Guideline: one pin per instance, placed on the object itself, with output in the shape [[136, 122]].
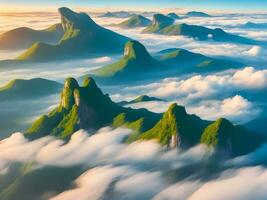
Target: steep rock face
[[176, 128], [82, 38], [86, 107], [159, 22]]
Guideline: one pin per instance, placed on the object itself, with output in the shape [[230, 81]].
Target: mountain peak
[[162, 20], [67, 95], [135, 50], [176, 110], [71, 19], [173, 15]]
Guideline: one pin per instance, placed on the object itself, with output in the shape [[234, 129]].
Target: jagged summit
[[85, 107]]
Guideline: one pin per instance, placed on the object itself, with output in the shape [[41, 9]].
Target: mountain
[[108, 14], [198, 33], [138, 64], [177, 128], [26, 177], [87, 107], [173, 16], [135, 21], [159, 21], [229, 139], [82, 38], [20, 89], [185, 61], [252, 25], [118, 14], [197, 14], [140, 99], [136, 59], [21, 38]]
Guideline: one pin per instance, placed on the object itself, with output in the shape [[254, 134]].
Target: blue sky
[[197, 4]]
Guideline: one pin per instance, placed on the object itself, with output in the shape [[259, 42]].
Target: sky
[[259, 5]]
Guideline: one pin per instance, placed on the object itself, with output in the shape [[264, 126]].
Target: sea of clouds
[[136, 171]]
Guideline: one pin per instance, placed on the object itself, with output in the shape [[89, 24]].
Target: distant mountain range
[[252, 25], [22, 38], [197, 14], [140, 99], [82, 38], [87, 107], [20, 89], [165, 25], [138, 64], [118, 14]]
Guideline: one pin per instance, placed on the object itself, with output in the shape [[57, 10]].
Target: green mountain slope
[[136, 59], [20, 89], [229, 139], [186, 61], [135, 21], [138, 64], [87, 107], [82, 38], [177, 128], [163, 25], [21, 38]]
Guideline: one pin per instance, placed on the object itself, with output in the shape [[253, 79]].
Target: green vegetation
[[229, 139], [82, 38], [186, 61], [176, 122], [21, 38], [135, 21], [197, 32], [135, 59], [87, 107]]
